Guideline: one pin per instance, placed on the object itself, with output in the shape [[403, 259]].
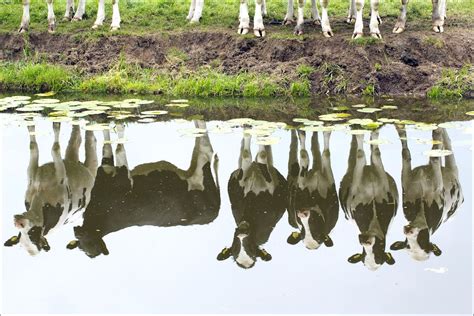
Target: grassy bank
[[125, 78], [169, 15]]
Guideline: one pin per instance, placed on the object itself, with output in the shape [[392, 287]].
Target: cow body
[[313, 206], [155, 194], [431, 195], [56, 191], [369, 197], [257, 193]]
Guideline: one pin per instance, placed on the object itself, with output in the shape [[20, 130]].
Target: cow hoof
[[398, 29], [328, 34], [288, 22], [243, 30], [350, 20], [376, 35], [76, 18], [194, 21], [66, 19], [317, 22], [114, 28], [259, 32], [96, 26], [357, 35], [23, 29], [438, 28], [299, 30]]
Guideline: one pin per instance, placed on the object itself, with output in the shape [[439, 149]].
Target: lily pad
[[438, 153]]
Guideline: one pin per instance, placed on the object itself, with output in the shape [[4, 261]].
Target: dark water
[[155, 220]]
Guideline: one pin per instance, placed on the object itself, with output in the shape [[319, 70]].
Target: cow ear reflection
[[72, 244], [12, 241], [355, 258], [328, 242], [437, 252], [398, 245], [389, 259], [294, 238], [264, 255], [224, 254]]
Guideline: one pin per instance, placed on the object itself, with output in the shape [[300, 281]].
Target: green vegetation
[[369, 90], [366, 41], [454, 83], [433, 41], [143, 16], [334, 79]]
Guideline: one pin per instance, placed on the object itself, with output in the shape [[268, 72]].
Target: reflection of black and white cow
[[156, 194], [369, 196], [313, 206], [257, 192], [56, 190], [431, 195]]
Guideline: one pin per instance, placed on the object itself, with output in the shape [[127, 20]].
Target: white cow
[[356, 10], [438, 16], [324, 19]]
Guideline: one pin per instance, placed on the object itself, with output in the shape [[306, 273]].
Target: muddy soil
[[404, 64]]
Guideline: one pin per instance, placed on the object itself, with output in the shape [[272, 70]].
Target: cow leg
[[72, 150], [351, 17], [450, 161], [107, 154], [25, 19], [360, 161], [376, 161], [435, 162], [81, 9], [264, 8], [197, 11], [359, 24], [192, 7], [91, 162], [115, 16], [258, 27], [293, 157], [120, 154], [51, 17], [314, 12], [59, 168], [326, 159], [402, 18], [244, 18], [99, 21], [406, 158], [300, 18], [32, 166], [327, 32], [374, 19], [304, 157], [442, 9], [437, 16], [69, 10], [316, 152], [290, 14]]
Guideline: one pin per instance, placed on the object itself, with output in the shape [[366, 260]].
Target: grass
[[433, 41], [129, 78], [454, 83], [157, 16]]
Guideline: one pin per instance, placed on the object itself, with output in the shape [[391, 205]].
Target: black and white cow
[[431, 195], [369, 197], [56, 190], [313, 206], [156, 194], [257, 193]]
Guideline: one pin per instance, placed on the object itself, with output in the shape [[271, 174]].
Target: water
[[169, 265]]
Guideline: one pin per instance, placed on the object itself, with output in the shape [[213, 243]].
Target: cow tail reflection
[[257, 193], [369, 196], [431, 195], [313, 206], [157, 194], [57, 191]]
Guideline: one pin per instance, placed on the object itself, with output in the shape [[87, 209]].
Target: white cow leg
[[304, 157], [115, 16], [244, 18], [300, 18], [450, 161], [359, 24], [258, 27], [198, 11], [25, 19], [51, 17], [99, 21], [91, 161], [326, 158], [360, 161], [293, 155], [316, 151], [59, 168], [264, 7], [435, 162], [406, 158], [438, 18], [245, 158], [72, 150], [290, 14], [351, 16], [69, 10], [327, 32], [34, 155], [374, 19], [376, 160], [442, 9], [402, 18], [107, 154], [192, 6], [81, 9], [315, 13]]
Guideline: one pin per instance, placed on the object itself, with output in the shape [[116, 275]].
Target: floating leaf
[[46, 101], [389, 107], [438, 153], [388, 120], [360, 121], [449, 125], [96, 127], [178, 105], [340, 108], [146, 120], [46, 94], [426, 127], [358, 131], [267, 140], [20, 98], [369, 110], [359, 106], [127, 105], [470, 113], [180, 101], [428, 141], [31, 109], [154, 112], [300, 120]]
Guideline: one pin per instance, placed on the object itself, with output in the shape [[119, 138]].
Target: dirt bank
[[409, 63]]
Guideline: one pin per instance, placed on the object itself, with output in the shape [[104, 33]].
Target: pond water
[[130, 214]]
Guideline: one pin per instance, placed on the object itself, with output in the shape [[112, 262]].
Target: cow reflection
[[257, 193], [313, 207], [431, 195], [157, 194], [56, 190], [369, 196]]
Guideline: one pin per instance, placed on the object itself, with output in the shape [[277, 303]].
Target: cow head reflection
[[56, 190], [313, 207], [369, 197], [154, 194], [257, 193], [431, 195]]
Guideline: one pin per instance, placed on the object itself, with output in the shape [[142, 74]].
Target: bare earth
[[409, 63]]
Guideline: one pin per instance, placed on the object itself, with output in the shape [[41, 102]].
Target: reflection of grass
[[156, 16], [453, 83]]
